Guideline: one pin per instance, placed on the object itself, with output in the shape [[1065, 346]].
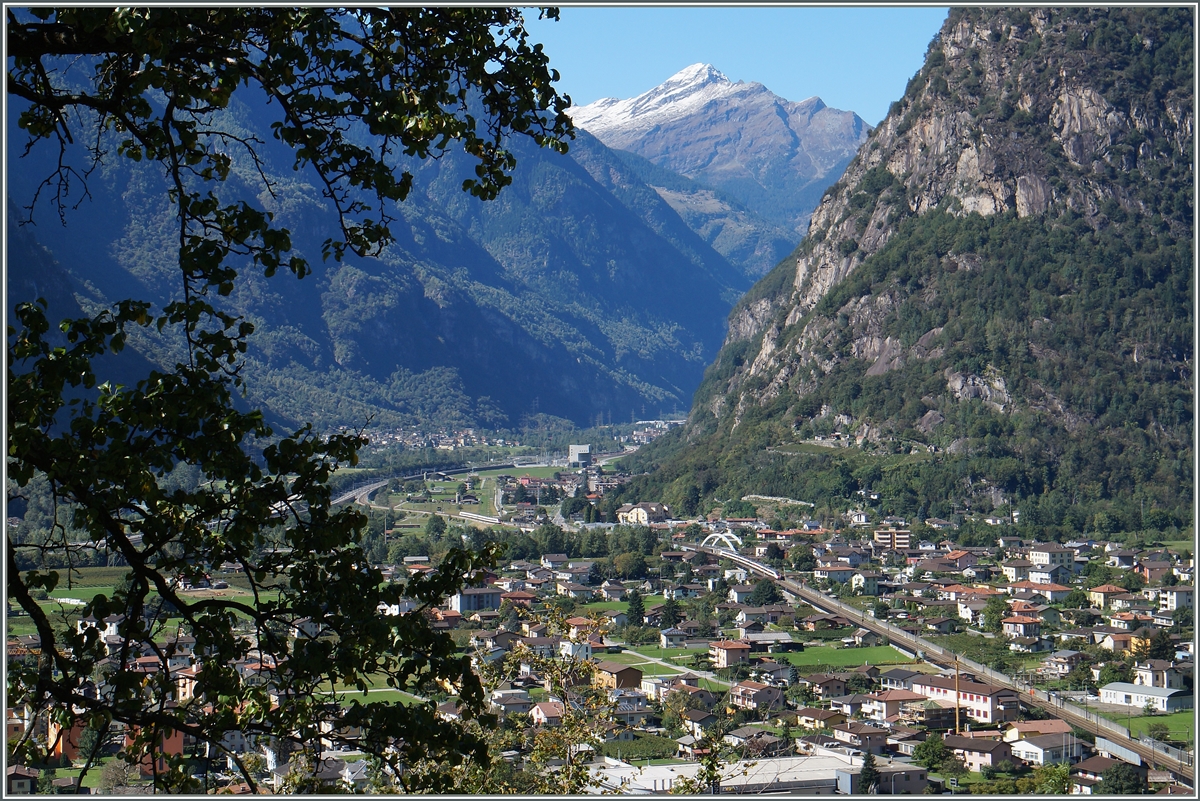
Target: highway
[[937, 655]]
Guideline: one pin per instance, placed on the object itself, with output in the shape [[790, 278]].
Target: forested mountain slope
[[993, 306], [578, 293]]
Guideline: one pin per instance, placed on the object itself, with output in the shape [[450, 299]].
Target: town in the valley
[[765, 646]]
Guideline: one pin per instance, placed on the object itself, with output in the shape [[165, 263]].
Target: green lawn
[[847, 657], [1181, 724], [536, 472], [668, 653], [623, 658], [655, 669], [584, 610]]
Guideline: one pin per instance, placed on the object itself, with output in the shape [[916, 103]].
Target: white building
[[1163, 699], [1051, 554], [1172, 598]]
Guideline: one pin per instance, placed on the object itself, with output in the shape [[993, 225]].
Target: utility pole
[[956, 727]]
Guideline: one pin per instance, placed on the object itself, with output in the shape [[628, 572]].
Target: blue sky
[[854, 58]]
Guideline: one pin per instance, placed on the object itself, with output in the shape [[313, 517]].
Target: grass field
[[1181, 724], [668, 653], [395, 696], [847, 657], [600, 606], [536, 472]]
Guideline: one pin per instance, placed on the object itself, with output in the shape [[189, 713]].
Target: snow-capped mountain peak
[[686, 90]]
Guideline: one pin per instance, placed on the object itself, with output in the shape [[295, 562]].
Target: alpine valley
[[582, 292], [992, 310]]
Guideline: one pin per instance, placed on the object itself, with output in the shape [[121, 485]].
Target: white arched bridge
[[728, 538]]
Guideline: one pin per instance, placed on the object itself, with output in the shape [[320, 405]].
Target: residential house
[[547, 713], [1022, 626], [696, 721], [898, 679], [641, 514], [706, 698], [755, 695], [740, 593], [21, 780], [865, 638], [941, 625], [628, 706], [960, 559], [898, 779], [1048, 749], [1099, 596], [1116, 642], [727, 653], [1051, 592], [1122, 558], [976, 752], [1016, 569], [818, 622], [473, 599], [571, 589], [1051, 554], [1087, 774], [840, 574], [613, 675], [865, 738], [1050, 574], [812, 718], [850, 705], [930, 714], [983, 703], [510, 702], [825, 685], [1030, 728], [1152, 571], [615, 617], [979, 572], [553, 561], [576, 649], [887, 704], [866, 583], [970, 611], [497, 638], [1172, 598], [518, 597], [1030, 645], [612, 591], [672, 637], [1158, 673], [1058, 664], [544, 647]]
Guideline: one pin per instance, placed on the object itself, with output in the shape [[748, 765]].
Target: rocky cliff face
[[1000, 282], [773, 156], [1007, 116]]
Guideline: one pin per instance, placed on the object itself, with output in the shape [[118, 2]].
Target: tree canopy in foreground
[[352, 91]]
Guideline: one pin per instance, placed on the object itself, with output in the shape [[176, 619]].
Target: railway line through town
[[1180, 767]]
